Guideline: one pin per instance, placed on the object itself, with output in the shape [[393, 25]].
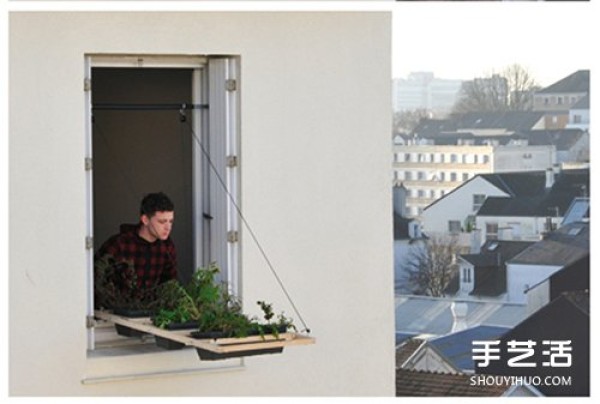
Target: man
[[147, 245]]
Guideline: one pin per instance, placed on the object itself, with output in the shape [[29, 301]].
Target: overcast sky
[[462, 41]]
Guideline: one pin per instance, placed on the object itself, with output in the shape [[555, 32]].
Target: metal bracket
[[87, 84], [90, 321], [232, 161], [89, 243], [233, 236], [230, 85], [88, 164]]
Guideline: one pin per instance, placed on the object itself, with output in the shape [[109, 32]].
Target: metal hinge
[[233, 236], [89, 243], [232, 161], [88, 164], [230, 85], [90, 322], [87, 84]]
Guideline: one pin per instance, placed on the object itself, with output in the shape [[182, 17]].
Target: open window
[[163, 124]]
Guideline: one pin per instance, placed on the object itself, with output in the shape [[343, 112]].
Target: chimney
[[476, 241], [459, 314], [399, 199], [549, 178]]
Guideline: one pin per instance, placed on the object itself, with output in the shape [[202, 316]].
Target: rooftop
[[578, 82], [560, 247], [432, 315], [457, 348], [415, 383]]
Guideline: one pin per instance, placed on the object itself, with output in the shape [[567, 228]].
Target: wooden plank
[[220, 345]]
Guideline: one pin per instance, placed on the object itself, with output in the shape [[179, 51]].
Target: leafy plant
[[116, 286], [212, 307]]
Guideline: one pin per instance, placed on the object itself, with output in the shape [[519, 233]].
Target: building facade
[[287, 102]]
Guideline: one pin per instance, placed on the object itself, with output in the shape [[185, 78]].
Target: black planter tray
[[169, 344], [126, 331], [206, 355], [222, 348]]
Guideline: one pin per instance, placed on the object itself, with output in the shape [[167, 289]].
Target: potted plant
[[116, 289], [208, 306]]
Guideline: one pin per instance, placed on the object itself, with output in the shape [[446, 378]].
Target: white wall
[[324, 217], [456, 205], [511, 158], [520, 277], [530, 228]]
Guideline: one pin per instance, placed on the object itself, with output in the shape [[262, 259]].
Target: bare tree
[[510, 90], [430, 268], [406, 121]]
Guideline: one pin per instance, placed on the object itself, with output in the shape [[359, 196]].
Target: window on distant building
[[421, 193], [576, 118], [476, 159], [408, 176], [546, 101], [559, 100], [454, 226], [491, 231], [421, 176], [486, 159], [453, 158], [466, 275], [465, 177], [442, 158], [442, 176], [452, 176], [406, 156]]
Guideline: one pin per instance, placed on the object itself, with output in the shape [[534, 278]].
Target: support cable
[[242, 217]]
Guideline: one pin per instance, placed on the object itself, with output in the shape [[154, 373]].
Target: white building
[[277, 89], [429, 172], [540, 261], [421, 90]]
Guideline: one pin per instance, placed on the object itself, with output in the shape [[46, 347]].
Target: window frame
[[223, 119]]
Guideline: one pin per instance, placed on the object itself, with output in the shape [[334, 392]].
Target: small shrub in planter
[[213, 311], [116, 289]]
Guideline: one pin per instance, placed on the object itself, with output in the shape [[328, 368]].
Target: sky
[[466, 40]]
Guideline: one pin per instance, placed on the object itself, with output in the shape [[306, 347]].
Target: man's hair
[[156, 202]]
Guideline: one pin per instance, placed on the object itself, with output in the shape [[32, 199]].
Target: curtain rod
[[146, 107]]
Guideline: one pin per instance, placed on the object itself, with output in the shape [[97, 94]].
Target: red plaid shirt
[[154, 263]]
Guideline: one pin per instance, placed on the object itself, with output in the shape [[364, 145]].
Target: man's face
[[160, 224]]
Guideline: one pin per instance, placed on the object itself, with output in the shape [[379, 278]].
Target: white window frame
[[223, 118]]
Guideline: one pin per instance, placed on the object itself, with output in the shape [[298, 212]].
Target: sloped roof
[[579, 299], [519, 183], [578, 82], [490, 268], [510, 120], [496, 252], [416, 383], [561, 247], [407, 349], [431, 315], [431, 127], [583, 103], [457, 348], [562, 139], [530, 196]]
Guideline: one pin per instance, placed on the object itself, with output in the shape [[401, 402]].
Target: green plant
[[116, 286], [213, 307]]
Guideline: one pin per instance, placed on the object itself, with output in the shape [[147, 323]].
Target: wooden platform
[[217, 346]]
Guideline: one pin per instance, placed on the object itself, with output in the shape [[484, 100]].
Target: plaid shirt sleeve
[[154, 263]]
